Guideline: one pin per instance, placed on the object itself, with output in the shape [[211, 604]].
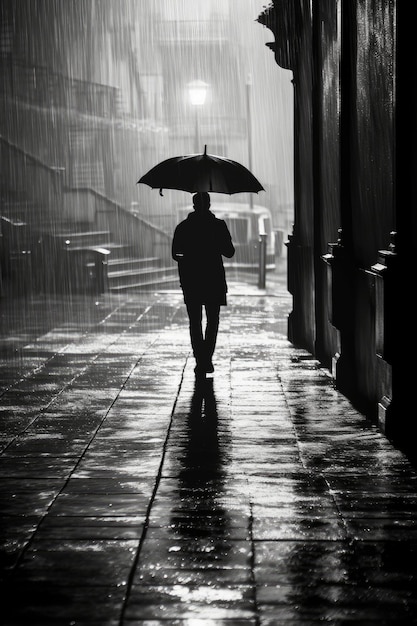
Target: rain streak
[[96, 93]]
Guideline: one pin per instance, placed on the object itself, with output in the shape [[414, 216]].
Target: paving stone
[[70, 504], [92, 527], [78, 562], [51, 603]]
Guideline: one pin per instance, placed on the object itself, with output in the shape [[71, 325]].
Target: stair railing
[[144, 238], [45, 184], [41, 86]]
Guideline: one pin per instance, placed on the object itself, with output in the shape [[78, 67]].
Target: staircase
[[49, 255], [124, 271], [41, 251], [129, 274]]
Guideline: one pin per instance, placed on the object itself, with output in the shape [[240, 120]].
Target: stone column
[[386, 286], [341, 305]]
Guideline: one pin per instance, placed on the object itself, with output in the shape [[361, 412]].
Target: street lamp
[[197, 91]]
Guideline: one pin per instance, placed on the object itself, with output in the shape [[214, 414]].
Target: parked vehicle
[[246, 224]]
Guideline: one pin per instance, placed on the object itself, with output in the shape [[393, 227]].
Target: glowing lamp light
[[197, 90]]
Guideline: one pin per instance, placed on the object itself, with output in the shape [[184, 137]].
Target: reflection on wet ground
[[133, 494]]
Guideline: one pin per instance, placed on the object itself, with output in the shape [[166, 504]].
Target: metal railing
[[40, 86], [192, 30], [45, 185], [133, 230], [209, 126]]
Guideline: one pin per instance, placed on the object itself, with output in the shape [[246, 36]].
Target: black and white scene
[[207, 216]]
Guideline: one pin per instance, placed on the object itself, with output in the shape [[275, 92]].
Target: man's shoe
[[210, 367]]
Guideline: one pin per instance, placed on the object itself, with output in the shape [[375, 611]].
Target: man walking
[[199, 243]]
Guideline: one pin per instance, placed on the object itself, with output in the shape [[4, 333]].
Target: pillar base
[[342, 371], [397, 426], [385, 415], [335, 359]]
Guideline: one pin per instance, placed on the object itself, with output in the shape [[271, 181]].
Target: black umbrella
[[201, 172]]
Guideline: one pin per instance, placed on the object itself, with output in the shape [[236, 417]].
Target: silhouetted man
[[198, 245]]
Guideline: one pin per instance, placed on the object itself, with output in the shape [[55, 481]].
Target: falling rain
[[146, 477], [95, 93]]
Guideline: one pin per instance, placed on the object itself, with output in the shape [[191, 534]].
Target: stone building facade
[[350, 256]]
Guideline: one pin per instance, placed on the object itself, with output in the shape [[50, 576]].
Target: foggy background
[[96, 92], [145, 52]]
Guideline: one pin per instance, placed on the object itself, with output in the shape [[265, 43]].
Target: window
[[238, 228]]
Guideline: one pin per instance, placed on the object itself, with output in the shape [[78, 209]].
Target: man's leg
[[195, 316], [212, 327]]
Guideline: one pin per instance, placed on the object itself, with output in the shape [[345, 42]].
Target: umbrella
[[201, 172]]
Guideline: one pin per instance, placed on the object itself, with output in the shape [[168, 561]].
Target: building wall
[[352, 194], [372, 182]]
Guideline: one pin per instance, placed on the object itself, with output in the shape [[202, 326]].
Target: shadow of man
[[201, 512]]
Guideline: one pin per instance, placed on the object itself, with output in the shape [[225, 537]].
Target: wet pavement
[[132, 495]]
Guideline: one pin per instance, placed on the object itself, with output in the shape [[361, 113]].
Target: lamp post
[[197, 91], [249, 126], [262, 234]]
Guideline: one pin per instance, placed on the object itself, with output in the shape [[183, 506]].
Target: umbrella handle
[[160, 193]]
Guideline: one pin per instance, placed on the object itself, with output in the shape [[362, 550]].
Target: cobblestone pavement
[[132, 495]]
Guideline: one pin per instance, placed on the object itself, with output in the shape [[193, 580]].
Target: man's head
[[201, 201]]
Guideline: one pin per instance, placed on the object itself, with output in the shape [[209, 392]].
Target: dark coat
[[198, 245]]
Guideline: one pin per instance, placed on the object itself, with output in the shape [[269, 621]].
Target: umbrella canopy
[[201, 172]]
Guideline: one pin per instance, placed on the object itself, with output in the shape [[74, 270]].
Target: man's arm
[[177, 245], [227, 248]]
